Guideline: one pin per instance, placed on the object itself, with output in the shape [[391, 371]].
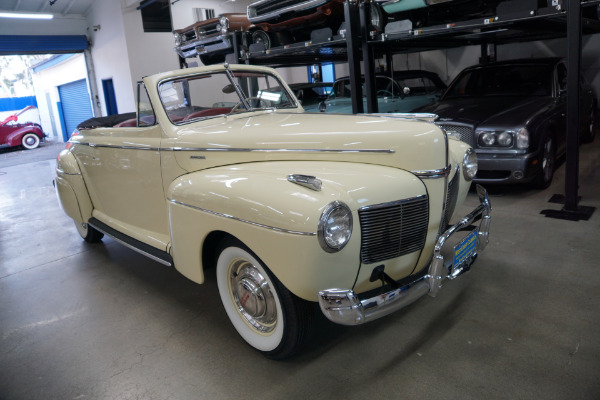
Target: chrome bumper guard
[[342, 306]]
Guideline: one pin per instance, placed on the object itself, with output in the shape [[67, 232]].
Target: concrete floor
[[80, 321]]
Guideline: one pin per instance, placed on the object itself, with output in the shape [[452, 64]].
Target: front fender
[[278, 219]]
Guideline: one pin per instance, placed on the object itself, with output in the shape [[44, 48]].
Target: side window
[[145, 112]]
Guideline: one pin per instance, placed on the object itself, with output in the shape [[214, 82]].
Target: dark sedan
[[514, 114]]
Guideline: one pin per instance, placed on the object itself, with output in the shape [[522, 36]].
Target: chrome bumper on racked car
[[343, 306]]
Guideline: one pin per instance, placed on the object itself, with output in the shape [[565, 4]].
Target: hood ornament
[[306, 181]]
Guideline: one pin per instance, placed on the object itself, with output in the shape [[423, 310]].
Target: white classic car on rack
[[293, 209]]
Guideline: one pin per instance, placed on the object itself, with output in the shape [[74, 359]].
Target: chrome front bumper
[[342, 306]]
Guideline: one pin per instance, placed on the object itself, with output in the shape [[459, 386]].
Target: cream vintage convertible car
[[293, 209]]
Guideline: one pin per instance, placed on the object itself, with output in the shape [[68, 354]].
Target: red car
[[27, 134]]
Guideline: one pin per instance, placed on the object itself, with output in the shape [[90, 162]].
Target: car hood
[[490, 111], [277, 136]]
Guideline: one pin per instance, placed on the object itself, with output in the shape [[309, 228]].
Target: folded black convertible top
[[106, 122]]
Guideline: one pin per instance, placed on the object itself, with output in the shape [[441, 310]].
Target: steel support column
[[353, 42], [368, 59]]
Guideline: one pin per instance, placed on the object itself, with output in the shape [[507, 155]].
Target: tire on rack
[[212, 59], [546, 163], [260, 36], [30, 141], [88, 233], [266, 315]]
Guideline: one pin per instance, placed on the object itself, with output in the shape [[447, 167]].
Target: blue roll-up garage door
[[75, 104]]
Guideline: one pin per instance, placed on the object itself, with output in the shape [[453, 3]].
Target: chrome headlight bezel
[[335, 227], [224, 22], [497, 138], [470, 166], [178, 38]]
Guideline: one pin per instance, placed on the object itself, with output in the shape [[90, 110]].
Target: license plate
[[465, 249]]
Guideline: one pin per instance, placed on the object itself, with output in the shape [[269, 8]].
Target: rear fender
[[71, 190], [15, 137]]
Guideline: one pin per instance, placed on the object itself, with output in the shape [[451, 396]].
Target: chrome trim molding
[[242, 220], [66, 173], [258, 150], [114, 146], [238, 150], [342, 306], [142, 252], [434, 173]]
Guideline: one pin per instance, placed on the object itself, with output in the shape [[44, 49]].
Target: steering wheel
[[237, 106], [383, 92]]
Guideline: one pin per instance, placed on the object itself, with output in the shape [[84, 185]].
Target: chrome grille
[[208, 30], [451, 200], [393, 229], [274, 6], [463, 132]]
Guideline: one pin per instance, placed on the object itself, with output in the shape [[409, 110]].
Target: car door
[[122, 171]]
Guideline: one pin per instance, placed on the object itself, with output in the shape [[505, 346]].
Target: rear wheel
[[88, 233], [546, 163], [266, 315], [30, 141]]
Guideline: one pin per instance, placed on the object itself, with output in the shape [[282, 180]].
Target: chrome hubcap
[[253, 296]]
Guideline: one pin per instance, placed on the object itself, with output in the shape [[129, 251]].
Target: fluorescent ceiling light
[[25, 15]]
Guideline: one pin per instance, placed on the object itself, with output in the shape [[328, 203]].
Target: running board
[[151, 252]]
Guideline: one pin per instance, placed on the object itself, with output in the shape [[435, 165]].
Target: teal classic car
[[402, 92]]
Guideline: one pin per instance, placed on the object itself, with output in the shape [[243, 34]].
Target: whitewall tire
[[30, 141], [265, 314], [88, 233]]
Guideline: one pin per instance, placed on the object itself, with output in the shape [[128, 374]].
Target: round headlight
[[178, 39], [470, 165], [335, 227], [218, 27], [224, 21], [523, 138], [488, 138], [505, 139]]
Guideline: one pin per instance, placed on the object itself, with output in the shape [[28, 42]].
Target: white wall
[[59, 25], [47, 82], [110, 53]]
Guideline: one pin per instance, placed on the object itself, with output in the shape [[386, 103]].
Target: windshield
[[207, 95], [505, 80]]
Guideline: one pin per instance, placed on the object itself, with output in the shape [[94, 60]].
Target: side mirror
[[228, 89], [322, 106]]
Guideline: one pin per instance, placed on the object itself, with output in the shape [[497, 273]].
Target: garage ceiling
[[56, 7]]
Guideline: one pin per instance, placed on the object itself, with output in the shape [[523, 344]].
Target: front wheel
[[30, 141], [88, 233], [546, 161], [265, 314]]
